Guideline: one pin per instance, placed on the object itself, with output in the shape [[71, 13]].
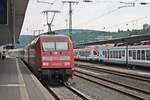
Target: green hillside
[[80, 36], [83, 36], [134, 32]]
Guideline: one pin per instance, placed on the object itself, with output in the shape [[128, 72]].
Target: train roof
[[126, 40], [44, 36], [54, 36]]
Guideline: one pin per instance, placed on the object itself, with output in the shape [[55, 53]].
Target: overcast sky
[[104, 15]]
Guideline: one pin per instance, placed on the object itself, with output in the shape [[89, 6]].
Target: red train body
[[51, 57]]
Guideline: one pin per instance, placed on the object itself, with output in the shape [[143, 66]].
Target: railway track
[[125, 87], [115, 72], [67, 92]]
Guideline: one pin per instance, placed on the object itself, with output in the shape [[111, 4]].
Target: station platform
[[18, 83]]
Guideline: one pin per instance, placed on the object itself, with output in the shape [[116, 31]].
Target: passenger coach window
[[123, 53], [143, 54], [87, 53], [147, 54], [114, 54], [138, 55], [61, 46], [95, 53], [119, 54], [110, 54], [75, 53], [103, 53], [134, 54], [48, 46], [130, 53]]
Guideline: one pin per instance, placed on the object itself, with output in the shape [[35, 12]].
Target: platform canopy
[[12, 13]]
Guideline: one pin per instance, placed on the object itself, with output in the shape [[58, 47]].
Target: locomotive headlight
[[45, 64], [46, 58], [66, 63], [64, 57]]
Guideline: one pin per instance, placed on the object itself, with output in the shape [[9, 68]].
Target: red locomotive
[[50, 57]]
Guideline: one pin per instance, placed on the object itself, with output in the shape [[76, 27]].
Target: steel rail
[[124, 74], [117, 87]]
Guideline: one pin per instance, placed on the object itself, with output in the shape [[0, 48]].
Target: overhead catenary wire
[[126, 4], [53, 6], [46, 2], [95, 2], [127, 22], [101, 16], [67, 13], [62, 19]]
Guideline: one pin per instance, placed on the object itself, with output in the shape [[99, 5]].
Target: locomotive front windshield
[[55, 46], [61, 46], [48, 46]]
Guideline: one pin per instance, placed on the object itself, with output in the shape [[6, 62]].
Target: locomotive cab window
[[61, 46], [48, 46]]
